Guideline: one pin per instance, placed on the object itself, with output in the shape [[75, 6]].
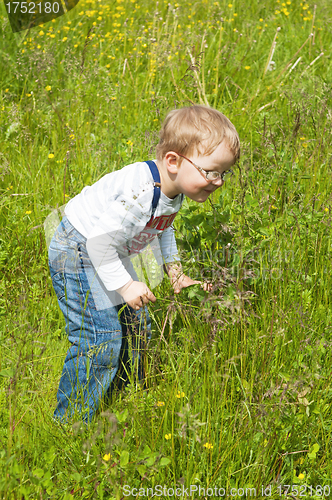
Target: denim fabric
[[99, 332]]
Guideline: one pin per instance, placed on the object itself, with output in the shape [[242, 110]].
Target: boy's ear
[[171, 160]]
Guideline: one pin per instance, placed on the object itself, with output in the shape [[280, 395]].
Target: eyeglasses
[[211, 176]]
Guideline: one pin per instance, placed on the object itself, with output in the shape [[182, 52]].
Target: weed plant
[[238, 381]]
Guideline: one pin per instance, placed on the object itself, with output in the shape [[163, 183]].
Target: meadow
[[238, 380]]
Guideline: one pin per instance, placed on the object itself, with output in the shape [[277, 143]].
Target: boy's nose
[[217, 182]]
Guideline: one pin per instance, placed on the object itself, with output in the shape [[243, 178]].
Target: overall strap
[[157, 186]]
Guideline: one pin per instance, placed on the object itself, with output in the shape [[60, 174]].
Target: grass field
[[239, 381]]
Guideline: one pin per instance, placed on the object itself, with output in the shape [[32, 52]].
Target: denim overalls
[[99, 336]]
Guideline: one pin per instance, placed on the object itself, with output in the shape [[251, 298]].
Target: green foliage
[[238, 380]]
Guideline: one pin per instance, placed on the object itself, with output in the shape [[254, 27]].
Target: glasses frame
[[205, 173]]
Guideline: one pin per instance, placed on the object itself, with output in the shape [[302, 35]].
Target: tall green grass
[[238, 380]]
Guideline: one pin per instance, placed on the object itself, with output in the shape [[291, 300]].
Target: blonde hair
[[196, 129]]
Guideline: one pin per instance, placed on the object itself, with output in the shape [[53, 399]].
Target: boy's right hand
[[136, 294]]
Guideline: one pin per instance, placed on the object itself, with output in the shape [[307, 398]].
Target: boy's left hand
[[185, 281], [180, 280]]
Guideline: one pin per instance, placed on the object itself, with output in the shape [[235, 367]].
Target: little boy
[[98, 291]]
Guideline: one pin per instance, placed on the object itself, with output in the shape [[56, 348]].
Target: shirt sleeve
[[168, 246], [109, 240]]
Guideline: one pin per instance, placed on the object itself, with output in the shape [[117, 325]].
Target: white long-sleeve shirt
[[114, 214]]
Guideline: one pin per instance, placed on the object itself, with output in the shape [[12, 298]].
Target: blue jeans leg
[[96, 333]]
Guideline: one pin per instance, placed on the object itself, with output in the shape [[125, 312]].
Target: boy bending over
[[98, 291]]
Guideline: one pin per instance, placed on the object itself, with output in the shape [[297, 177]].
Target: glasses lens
[[212, 176]]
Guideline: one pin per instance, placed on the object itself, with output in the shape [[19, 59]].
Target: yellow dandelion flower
[[208, 446], [274, 208], [261, 20], [51, 155], [168, 436], [99, 18], [230, 5], [304, 144], [160, 403], [180, 395], [48, 88], [81, 13], [247, 67], [64, 39], [301, 476], [107, 457], [326, 209], [28, 95], [41, 33], [28, 212]]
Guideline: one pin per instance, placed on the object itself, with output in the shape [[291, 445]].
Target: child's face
[[193, 183]]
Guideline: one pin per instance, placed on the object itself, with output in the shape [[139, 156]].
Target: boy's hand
[[180, 280], [136, 294]]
